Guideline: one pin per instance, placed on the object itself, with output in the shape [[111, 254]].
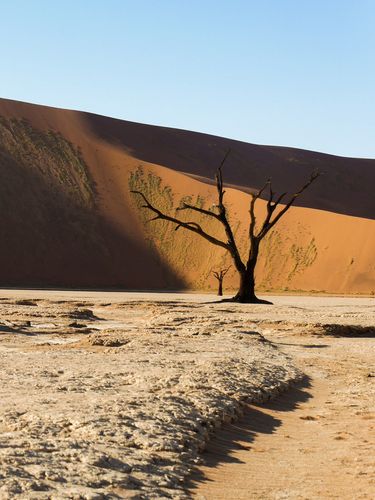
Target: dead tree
[[219, 275], [257, 232]]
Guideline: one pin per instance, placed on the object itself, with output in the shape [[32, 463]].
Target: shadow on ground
[[241, 434], [336, 330], [306, 346]]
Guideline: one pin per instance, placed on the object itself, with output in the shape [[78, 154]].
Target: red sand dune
[[68, 218]]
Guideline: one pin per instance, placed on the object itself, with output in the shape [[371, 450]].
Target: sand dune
[[65, 197]]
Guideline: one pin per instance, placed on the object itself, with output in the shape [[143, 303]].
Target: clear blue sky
[[285, 72]]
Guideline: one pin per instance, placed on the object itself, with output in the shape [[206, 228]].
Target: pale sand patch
[[315, 442]]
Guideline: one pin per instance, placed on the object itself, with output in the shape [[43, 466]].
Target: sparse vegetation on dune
[[189, 256], [49, 155]]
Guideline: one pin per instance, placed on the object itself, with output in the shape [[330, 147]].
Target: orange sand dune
[[68, 218]]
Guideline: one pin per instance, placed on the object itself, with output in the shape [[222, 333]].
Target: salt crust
[[119, 402]]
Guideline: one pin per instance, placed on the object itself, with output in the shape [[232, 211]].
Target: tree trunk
[[246, 292], [220, 291]]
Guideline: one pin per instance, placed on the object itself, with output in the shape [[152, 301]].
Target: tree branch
[[224, 271], [194, 227], [222, 217], [186, 206], [219, 275], [219, 178], [254, 197], [268, 223], [190, 224]]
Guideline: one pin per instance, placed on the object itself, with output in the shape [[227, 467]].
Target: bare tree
[[246, 270], [219, 275]]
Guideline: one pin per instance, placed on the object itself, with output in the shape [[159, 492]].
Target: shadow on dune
[[241, 434], [346, 186], [53, 238]]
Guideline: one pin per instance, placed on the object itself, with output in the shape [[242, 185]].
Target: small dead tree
[[219, 275], [246, 269]]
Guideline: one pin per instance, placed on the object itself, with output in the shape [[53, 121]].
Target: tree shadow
[[232, 301], [306, 346], [241, 434]]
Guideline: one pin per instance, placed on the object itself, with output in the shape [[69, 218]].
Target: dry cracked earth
[[115, 395]]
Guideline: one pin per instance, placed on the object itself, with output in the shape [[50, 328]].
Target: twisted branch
[[219, 275], [191, 226], [272, 205]]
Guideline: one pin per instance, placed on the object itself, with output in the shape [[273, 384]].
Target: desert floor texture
[[116, 395]]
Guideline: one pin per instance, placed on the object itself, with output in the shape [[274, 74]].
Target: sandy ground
[[313, 442], [114, 395]]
